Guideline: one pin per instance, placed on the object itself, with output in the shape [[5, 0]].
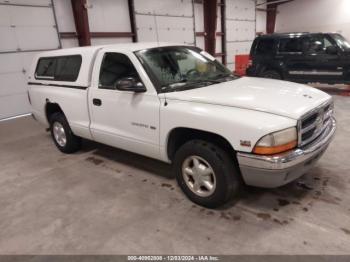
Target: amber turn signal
[[262, 150]]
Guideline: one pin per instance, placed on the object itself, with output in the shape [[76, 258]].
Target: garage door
[[240, 28], [165, 21], [26, 28]]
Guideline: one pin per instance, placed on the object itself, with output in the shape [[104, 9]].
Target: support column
[[81, 22], [131, 6], [223, 31], [271, 18], [210, 15]]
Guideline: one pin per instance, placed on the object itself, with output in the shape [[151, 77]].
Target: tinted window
[[46, 68], [114, 67], [290, 45], [316, 44], [265, 47], [67, 68], [63, 68], [342, 42]]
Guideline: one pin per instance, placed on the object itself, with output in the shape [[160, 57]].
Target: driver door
[[324, 66], [123, 119]]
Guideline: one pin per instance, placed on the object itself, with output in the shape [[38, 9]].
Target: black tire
[[272, 74], [228, 180], [73, 143]]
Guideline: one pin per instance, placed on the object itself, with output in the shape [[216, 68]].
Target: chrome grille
[[314, 123]]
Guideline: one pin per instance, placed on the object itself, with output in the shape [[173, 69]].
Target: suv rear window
[[61, 68], [265, 47]]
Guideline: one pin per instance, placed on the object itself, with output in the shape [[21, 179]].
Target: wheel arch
[[51, 108], [180, 135], [271, 67]]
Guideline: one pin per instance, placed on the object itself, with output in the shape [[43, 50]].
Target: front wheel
[[62, 134], [206, 173]]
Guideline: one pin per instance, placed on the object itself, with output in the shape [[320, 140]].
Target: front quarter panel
[[233, 124]]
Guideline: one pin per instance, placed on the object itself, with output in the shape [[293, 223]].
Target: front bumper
[[277, 170]]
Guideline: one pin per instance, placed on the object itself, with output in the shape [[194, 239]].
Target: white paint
[[167, 20], [242, 109], [315, 16]]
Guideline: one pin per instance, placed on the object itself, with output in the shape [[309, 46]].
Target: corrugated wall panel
[[25, 27], [240, 28], [165, 21]]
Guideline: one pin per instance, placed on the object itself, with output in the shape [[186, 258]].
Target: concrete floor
[[106, 201]]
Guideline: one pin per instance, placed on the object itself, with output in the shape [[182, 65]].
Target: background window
[[114, 67]]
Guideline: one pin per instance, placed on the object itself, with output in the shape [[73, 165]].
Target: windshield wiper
[[221, 76], [186, 83]]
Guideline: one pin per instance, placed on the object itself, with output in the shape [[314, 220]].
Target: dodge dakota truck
[[178, 104]]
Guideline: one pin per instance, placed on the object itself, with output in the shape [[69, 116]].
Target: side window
[[114, 67], [265, 47], [61, 68], [45, 68], [290, 45], [316, 44], [67, 68]]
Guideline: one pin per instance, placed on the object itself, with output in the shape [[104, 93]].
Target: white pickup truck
[[178, 104]]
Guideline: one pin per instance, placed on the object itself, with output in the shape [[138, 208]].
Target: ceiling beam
[[81, 22]]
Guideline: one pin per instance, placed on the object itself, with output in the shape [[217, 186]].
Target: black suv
[[301, 57]]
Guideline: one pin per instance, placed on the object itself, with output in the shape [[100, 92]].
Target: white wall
[[240, 28], [165, 21], [261, 18], [65, 21], [314, 16], [109, 16], [25, 30]]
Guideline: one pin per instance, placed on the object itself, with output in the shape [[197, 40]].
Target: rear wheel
[[206, 173], [62, 134], [272, 74]]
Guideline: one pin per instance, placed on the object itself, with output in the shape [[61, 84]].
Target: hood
[[272, 96]]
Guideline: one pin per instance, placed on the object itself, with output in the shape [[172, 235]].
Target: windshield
[[342, 42], [181, 68]]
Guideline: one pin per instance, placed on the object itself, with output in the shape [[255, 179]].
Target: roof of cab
[[128, 47]]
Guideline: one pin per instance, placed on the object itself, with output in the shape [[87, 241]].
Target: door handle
[[97, 102]]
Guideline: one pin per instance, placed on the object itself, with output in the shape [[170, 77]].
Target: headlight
[[277, 142]]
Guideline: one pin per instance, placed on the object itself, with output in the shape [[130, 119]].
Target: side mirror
[[331, 50], [130, 84]]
